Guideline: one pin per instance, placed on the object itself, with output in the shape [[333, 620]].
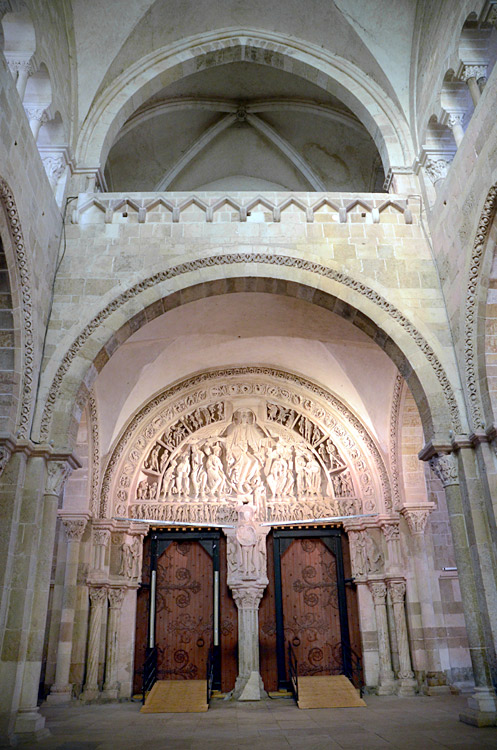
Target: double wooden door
[[188, 610], [307, 604]]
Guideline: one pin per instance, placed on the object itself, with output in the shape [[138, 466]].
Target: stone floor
[[419, 723]]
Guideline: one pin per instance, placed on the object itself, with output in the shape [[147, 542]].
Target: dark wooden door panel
[[267, 626], [228, 630], [311, 615], [184, 613]]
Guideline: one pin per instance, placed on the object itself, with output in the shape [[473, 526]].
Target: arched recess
[[369, 102], [327, 462], [82, 355], [19, 369]]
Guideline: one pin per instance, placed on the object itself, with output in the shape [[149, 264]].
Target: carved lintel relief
[[230, 440]]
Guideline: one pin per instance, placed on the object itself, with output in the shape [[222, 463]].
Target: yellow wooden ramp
[[328, 692], [176, 696]]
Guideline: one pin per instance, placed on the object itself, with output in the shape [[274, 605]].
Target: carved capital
[[397, 590], [379, 591], [74, 528], [446, 469], [5, 454], [391, 531], [36, 112], [248, 597], [456, 119], [437, 169], [474, 71], [116, 598], [55, 165], [98, 596], [416, 519], [17, 65], [101, 537], [57, 475]]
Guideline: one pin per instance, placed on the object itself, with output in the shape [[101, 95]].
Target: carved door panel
[[184, 611], [142, 616], [311, 614]]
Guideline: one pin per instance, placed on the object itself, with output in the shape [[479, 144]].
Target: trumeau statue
[[271, 457]]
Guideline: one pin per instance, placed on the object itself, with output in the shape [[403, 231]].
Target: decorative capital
[[101, 537], [474, 71], [116, 598], [57, 475], [36, 112], [391, 531], [416, 518], [456, 119], [437, 169], [397, 590], [55, 165], [248, 597], [74, 528], [446, 469], [98, 595], [5, 454], [378, 590]]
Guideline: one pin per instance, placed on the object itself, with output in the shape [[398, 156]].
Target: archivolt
[[23, 280], [255, 258]]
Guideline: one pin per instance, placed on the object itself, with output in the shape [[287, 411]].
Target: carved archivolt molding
[[95, 458], [471, 317], [24, 280], [251, 258], [394, 439], [296, 452]]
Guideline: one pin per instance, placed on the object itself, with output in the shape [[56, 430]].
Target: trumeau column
[[482, 704], [111, 685], [61, 691], [417, 518], [247, 579], [29, 724], [397, 592], [386, 684], [98, 599]]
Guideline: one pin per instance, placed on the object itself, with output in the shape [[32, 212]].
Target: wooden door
[[311, 611], [184, 611]]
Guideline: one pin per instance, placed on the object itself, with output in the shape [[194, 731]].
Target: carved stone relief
[[194, 458]]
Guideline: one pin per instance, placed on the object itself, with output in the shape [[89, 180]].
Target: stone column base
[[29, 726], [90, 695], [249, 687], [482, 709], [387, 688], [110, 694], [59, 694], [407, 686]]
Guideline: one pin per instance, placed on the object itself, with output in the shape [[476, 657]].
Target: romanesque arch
[[116, 103], [69, 378]]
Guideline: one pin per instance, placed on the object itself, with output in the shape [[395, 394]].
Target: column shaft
[[98, 598]]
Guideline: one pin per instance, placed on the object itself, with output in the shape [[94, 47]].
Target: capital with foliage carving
[[437, 169], [101, 537], [474, 71], [98, 595], [116, 598], [397, 590], [391, 531], [446, 469], [74, 528], [416, 519], [36, 112], [379, 591], [248, 597]]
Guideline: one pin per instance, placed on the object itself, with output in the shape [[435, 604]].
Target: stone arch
[[69, 377], [22, 372], [190, 409], [115, 104], [479, 315]]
